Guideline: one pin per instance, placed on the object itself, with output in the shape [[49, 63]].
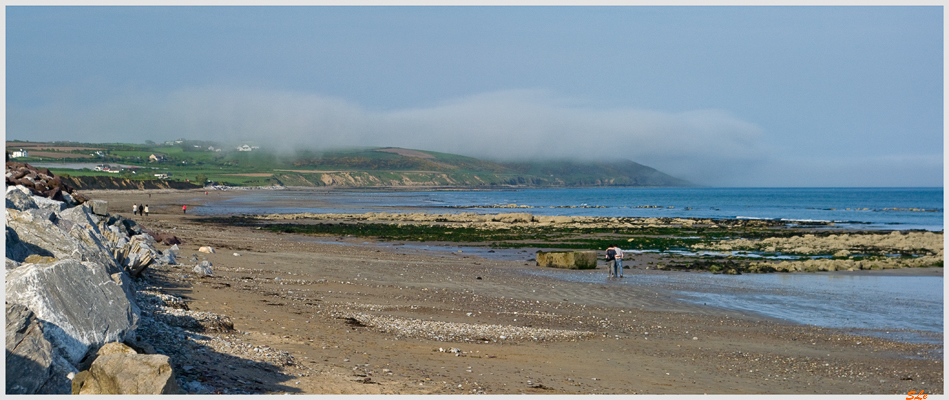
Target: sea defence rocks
[[567, 259], [68, 286], [42, 183], [51, 234]]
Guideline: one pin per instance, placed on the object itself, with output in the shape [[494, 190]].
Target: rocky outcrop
[[842, 245], [567, 259]]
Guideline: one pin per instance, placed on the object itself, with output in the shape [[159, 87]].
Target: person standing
[[184, 209], [611, 259], [146, 210], [134, 209], [619, 261]]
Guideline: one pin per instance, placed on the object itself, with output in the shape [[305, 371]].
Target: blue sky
[[721, 96]]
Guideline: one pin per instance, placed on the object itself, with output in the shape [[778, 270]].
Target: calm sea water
[[863, 208], [905, 308]]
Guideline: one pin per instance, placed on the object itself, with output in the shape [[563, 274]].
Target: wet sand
[[311, 299]]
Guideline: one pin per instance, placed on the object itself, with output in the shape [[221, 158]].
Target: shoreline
[[351, 318]]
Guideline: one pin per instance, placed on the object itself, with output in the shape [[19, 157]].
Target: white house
[[244, 148], [20, 153]]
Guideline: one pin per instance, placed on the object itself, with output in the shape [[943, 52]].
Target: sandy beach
[[344, 315]]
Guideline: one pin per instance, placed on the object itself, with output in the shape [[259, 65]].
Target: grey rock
[[125, 282], [168, 257], [29, 354], [60, 380], [69, 200], [32, 363], [36, 228], [49, 204], [99, 207], [82, 216], [19, 200], [204, 268], [196, 388], [16, 249], [79, 303], [138, 254]]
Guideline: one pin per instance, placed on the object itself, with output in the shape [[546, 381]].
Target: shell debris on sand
[[460, 332]]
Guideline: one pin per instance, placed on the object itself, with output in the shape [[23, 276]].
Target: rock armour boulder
[[41, 182], [32, 364], [81, 306], [125, 373]]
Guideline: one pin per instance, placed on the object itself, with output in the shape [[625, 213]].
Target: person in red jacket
[[184, 209]]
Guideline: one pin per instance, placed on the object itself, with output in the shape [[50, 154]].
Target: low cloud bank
[[708, 147]]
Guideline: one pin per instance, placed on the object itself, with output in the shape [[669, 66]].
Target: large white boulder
[[79, 303]]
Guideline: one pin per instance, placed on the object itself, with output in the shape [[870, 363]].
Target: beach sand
[[362, 318]]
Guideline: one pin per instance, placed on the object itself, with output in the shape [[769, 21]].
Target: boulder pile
[[41, 182], [69, 290]]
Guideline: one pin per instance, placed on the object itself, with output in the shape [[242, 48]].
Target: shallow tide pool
[[905, 308]]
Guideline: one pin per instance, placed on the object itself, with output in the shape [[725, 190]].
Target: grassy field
[[194, 161]]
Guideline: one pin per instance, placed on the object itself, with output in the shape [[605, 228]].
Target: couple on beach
[[139, 210], [614, 261]]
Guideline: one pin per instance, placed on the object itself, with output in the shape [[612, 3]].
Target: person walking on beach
[[146, 210], [619, 261], [134, 209], [184, 209], [611, 259]]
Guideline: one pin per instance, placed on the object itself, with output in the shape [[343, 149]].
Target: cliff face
[[108, 182]]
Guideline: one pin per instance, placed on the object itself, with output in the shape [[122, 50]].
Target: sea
[[898, 307], [854, 208]]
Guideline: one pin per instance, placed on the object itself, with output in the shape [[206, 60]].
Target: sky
[[791, 96]]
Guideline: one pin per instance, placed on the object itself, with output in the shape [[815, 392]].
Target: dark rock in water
[[81, 306], [127, 374], [32, 364]]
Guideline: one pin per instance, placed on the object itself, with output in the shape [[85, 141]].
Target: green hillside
[[201, 162]]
